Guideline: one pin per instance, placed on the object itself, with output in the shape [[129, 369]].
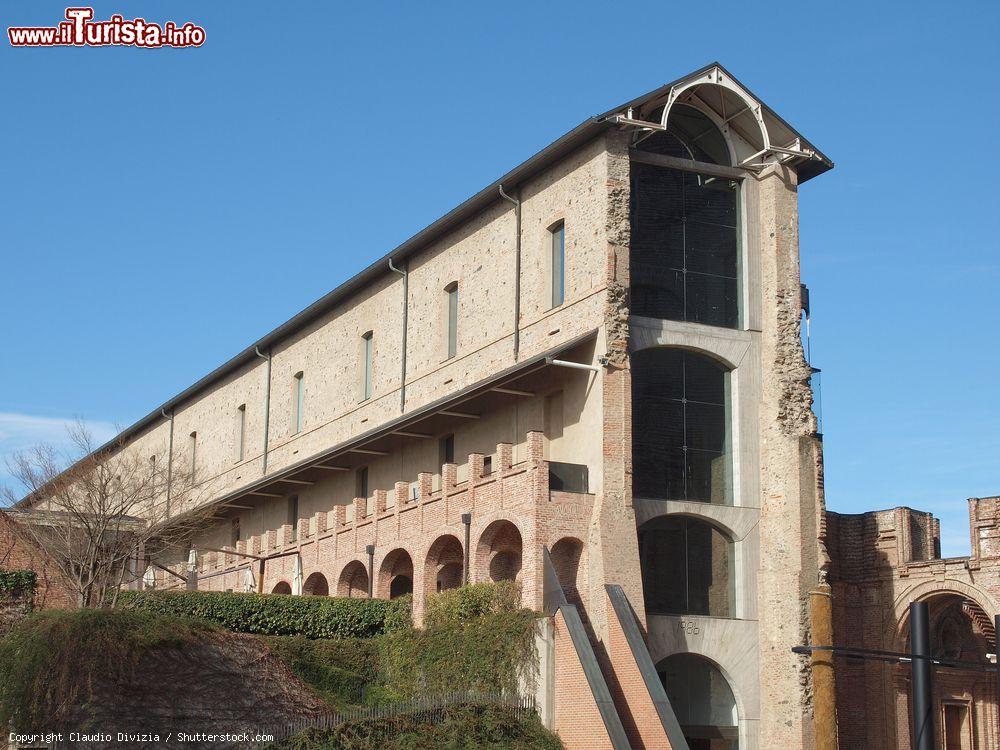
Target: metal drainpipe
[[405, 273], [267, 404], [517, 268], [170, 456], [370, 549], [467, 522]]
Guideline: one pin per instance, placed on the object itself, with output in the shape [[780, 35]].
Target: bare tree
[[103, 515]]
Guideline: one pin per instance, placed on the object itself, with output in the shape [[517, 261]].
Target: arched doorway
[[282, 587], [395, 577], [687, 567], [569, 559], [499, 552], [353, 581], [681, 441], [702, 700], [445, 564], [316, 585]]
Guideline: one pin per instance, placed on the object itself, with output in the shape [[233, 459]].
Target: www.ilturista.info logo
[[80, 30]]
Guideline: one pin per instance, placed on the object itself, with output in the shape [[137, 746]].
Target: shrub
[[339, 670], [274, 614], [469, 603], [50, 661], [460, 728], [17, 583]]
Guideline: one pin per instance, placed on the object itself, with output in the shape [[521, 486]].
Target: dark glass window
[[685, 246], [702, 700], [446, 450], [680, 415], [689, 135], [687, 568]]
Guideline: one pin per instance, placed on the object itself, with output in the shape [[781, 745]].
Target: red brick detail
[[578, 720], [18, 552], [632, 699]]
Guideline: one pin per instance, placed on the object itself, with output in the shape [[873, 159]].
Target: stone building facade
[[588, 377], [880, 562]]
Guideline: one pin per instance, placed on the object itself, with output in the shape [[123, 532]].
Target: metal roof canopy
[[327, 459], [779, 132]]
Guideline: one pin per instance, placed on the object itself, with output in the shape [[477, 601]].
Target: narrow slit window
[[366, 366], [558, 241], [446, 450], [361, 482], [293, 515], [298, 401], [193, 454], [241, 431], [452, 303]]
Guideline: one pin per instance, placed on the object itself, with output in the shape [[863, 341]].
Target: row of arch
[[498, 558]]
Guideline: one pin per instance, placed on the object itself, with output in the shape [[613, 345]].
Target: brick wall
[[17, 552]]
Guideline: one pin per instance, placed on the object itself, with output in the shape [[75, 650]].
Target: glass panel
[[661, 551], [702, 700], [366, 382], [685, 246], [680, 435]]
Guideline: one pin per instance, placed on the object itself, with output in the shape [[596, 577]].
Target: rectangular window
[[298, 402], [558, 233], [193, 455], [241, 428], [234, 532], [446, 450], [366, 367], [487, 465], [452, 292], [293, 515], [361, 482]]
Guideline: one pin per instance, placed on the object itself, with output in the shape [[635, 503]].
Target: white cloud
[[20, 432]]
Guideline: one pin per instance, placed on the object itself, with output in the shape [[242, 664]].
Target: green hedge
[[460, 728], [15, 583], [275, 614]]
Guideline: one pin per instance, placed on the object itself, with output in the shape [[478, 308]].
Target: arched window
[[680, 427], [702, 700], [684, 255], [687, 568]]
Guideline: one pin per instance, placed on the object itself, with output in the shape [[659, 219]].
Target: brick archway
[[569, 558], [282, 587], [930, 590], [353, 581], [499, 552], [444, 565], [395, 575], [316, 585]]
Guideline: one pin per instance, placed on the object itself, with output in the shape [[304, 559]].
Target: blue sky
[[163, 208]]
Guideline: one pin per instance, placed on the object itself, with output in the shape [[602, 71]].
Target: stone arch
[[353, 581], [499, 552], [282, 587], [569, 558], [444, 564], [316, 585], [395, 575]]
